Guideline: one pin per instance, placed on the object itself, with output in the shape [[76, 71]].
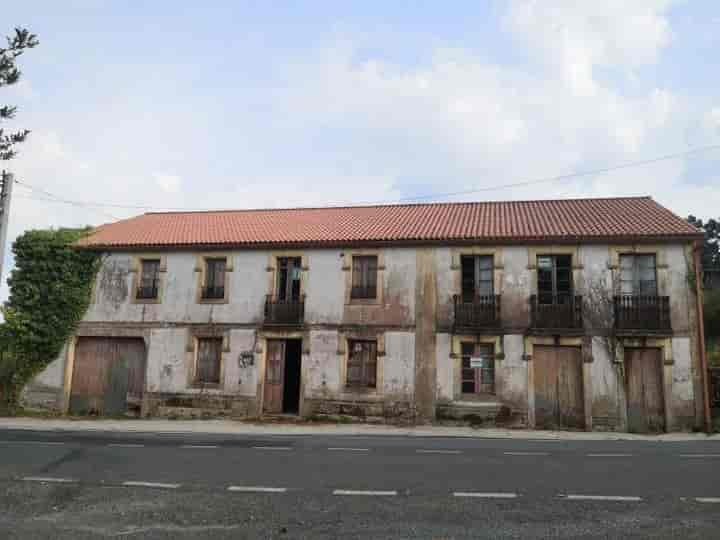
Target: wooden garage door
[[644, 390], [108, 375], [558, 386]]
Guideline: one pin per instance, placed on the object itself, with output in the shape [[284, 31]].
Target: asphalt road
[[95, 485]]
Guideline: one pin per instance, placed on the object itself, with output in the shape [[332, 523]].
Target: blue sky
[[227, 104]]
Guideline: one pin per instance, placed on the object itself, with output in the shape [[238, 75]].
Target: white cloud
[[170, 183]]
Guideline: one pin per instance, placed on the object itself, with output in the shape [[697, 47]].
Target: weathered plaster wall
[[515, 288], [323, 367], [683, 395], [445, 383], [325, 287], [512, 372], [399, 365], [607, 387]]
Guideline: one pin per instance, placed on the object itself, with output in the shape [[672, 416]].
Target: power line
[[524, 183]]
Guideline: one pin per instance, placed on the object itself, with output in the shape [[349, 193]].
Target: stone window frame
[[201, 269], [661, 265], [343, 352], [194, 337], [347, 267], [577, 267], [497, 341], [136, 271], [456, 266], [272, 267]]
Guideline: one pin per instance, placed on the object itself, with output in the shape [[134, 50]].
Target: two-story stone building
[[570, 313]]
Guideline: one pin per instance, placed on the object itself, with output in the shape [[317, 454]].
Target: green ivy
[[50, 288]]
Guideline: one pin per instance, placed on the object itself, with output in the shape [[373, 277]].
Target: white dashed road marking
[[364, 492], [48, 479], [700, 455], [708, 499], [47, 443], [158, 485], [257, 489], [341, 449], [199, 446], [438, 451], [600, 498], [526, 453], [123, 445], [272, 447], [485, 495], [609, 455]]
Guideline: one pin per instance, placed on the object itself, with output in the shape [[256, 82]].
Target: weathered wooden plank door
[[274, 376], [559, 401], [644, 387], [107, 372]]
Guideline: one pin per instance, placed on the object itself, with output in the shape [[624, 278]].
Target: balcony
[[284, 312], [477, 313], [556, 312], [213, 292], [641, 313]]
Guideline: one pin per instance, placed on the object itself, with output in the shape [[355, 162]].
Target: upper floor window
[[288, 278], [638, 275], [554, 274], [362, 364], [149, 279], [214, 286], [364, 277], [477, 276]]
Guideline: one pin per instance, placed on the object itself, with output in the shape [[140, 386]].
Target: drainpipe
[[701, 338]]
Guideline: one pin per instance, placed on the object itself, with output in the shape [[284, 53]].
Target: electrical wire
[[524, 183]]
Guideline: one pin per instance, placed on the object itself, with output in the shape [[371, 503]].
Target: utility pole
[[5, 196]]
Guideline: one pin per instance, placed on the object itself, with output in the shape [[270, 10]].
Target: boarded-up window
[[477, 276], [362, 364], [149, 279], [637, 275], [214, 287], [208, 360], [364, 276], [554, 274], [478, 368]]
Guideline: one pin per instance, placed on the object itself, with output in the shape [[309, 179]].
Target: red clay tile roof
[[637, 218]]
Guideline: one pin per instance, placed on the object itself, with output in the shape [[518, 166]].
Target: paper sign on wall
[[477, 362]]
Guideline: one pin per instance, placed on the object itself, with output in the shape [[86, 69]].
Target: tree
[[10, 74], [711, 246], [50, 290]]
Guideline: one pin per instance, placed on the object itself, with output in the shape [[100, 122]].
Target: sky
[[239, 104]]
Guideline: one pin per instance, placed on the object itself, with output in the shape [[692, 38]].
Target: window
[[214, 288], [637, 275], [364, 276], [288, 279], [478, 368], [477, 276], [554, 274], [149, 279], [362, 364], [209, 354]]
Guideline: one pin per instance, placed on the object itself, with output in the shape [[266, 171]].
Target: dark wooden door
[[108, 374], [274, 376], [559, 400], [644, 390]]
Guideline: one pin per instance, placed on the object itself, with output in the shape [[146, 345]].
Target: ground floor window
[[478, 368], [209, 356], [362, 364]]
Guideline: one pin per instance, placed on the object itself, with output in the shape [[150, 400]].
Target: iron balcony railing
[[284, 312], [147, 292], [562, 311], [213, 292], [477, 312], [642, 312]]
